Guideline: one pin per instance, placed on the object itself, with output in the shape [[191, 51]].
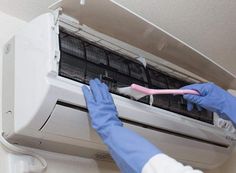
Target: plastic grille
[[119, 63], [137, 71], [82, 61], [71, 45], [72, 67], [96, 55]]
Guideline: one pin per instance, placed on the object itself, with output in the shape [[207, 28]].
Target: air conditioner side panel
[[34, 52], [8, 83]]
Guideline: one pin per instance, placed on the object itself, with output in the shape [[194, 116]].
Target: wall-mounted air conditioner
[[46, 64]]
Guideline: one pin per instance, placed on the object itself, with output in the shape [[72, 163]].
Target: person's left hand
[[129, 150], [102, 109]]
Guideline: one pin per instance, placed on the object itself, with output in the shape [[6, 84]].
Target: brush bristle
[[131, 92]]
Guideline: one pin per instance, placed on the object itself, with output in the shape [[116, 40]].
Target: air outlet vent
[[103, 157]]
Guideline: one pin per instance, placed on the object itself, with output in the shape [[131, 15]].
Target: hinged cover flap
[[116, 21]]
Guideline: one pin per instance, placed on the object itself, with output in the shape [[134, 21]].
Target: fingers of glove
[[95, 87], [105, 92], [203, 89], [110, 99], [193, 98], [87, 95], [193, 86], [199, 108], [189, 106]]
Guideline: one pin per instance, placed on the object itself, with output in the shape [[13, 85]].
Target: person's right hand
[[212, 98]]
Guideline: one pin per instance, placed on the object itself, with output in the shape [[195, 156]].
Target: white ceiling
[[25, 9], [207, 25]]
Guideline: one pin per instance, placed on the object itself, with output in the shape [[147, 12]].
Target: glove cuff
[[229, 109]]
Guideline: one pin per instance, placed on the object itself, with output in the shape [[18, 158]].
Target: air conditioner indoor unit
[[47, 62]]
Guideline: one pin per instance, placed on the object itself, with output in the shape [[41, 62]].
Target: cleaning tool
[[137, 91]]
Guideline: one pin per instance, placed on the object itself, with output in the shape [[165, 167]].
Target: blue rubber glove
[[129, 150], [212, 98]]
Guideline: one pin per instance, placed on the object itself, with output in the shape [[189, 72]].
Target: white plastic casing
[[32, 117]]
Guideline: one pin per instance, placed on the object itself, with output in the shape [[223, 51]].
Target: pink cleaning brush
[[137, 91]]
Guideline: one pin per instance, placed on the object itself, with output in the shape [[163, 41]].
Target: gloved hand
[[101, 107], [212, 98], [129, 150]]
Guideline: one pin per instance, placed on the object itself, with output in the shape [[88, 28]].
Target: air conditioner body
[[46, 110]]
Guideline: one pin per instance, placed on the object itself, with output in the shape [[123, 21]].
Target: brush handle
[[163, 91]]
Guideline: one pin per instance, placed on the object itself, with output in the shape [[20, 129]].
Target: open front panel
[[115, 20], [82, 60]]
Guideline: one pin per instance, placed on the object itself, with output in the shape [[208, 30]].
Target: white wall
[[57, 163], [8, 25]]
